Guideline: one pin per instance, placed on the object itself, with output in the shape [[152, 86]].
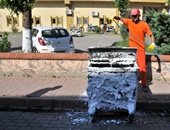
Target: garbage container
[[112, 80]]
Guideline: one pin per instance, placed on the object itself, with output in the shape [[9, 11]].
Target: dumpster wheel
[[92, 119], [93, 116], [131, 118]]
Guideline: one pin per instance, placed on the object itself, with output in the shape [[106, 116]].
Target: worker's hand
[[151, 46], [117, 17]]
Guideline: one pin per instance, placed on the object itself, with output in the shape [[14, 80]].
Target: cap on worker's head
[[135, 11]]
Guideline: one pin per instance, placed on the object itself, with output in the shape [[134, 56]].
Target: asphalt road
[[81, 43], [72, 120]]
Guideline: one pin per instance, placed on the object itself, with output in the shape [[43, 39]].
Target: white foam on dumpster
[[112, 92]]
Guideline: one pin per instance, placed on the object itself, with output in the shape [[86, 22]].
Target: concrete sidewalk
[[69, 93]]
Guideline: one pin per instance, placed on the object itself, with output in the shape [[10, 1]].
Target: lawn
[[125, 44]]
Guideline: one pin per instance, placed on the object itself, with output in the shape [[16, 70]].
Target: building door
[[69, 20]]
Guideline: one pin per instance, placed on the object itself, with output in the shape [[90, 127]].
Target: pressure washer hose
[[143, 43]]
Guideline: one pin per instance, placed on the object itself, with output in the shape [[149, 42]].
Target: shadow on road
[[40, 92], [80, 51]]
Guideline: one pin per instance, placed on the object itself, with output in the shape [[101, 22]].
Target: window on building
[[81, 21], [86, 20], [36, 21], [9, 20], [145, 9], [109, 21], [57, 21], [101, 21], [12, 21], [15, 21], [60, 20], [53, 20]]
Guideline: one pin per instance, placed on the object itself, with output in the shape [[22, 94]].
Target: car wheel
[[34, 49]]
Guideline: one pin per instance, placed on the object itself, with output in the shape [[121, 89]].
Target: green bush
[[5, 45], [98, 30], [123, 43], [160, 26], [163, 49], [14, 29], [124, 32], [122, 5]]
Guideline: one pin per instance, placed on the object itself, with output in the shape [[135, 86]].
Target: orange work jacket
[[137, 33]]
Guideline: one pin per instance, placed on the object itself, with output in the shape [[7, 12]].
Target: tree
[[159, 23], [5, 44], [122, 5], [24, 7], [168, 1]]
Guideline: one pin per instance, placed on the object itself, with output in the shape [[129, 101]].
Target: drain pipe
[[142, 42]]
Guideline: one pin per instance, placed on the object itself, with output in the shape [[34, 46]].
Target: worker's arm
[[152, 38], [124, 20], [117, 18], [152, 45]]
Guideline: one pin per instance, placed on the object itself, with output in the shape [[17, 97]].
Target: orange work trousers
[[141, 61]]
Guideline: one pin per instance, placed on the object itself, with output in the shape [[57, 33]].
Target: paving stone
[[64, 98]]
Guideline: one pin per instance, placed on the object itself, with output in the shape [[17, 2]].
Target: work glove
[[117, 17], [151, 46], [111, 19]]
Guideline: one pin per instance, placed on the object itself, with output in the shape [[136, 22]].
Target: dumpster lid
[[112, 56], [111, 49], [112, 52]]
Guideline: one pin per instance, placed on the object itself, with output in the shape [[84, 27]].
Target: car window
[[34, 32], [61, 32], [49, 34]]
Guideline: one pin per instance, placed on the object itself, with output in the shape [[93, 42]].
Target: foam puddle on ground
[[83, 117], [78, 118]]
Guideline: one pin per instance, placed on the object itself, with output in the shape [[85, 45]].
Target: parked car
[[52, 39]]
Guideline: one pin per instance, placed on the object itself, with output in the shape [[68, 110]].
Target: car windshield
[[55, 33]]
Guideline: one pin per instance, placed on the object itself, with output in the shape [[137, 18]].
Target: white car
[[52, 39]]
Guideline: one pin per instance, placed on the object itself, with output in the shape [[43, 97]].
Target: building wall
[[3, 21], [46, 9], [85, 10]]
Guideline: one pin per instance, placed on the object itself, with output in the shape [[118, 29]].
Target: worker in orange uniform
[[137, 31]]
